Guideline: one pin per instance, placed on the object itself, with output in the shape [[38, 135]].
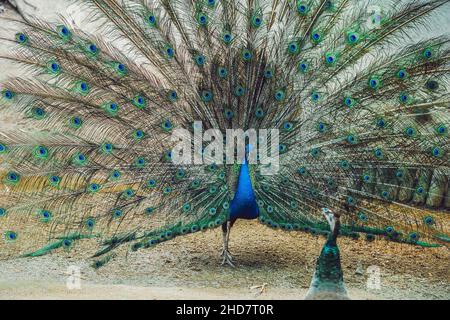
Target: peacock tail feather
[[363, 119]]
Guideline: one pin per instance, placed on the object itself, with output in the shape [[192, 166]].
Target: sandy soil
[[189, 268]]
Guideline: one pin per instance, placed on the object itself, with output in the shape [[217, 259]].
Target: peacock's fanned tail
[[362, 109]]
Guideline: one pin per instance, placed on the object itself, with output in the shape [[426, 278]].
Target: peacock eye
[[21, 38], [268, 74]]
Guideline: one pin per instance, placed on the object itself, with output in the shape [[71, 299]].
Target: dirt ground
[[189, 268]]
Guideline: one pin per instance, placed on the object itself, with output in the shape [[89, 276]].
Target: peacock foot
[[227, 258]]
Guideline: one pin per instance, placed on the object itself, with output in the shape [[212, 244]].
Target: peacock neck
[[243, 205]]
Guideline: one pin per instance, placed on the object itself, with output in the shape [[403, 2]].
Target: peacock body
[[362, 116]]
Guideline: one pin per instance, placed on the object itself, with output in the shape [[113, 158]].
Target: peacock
[[353, 100]]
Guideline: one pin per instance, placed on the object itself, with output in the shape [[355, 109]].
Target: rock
[[359, 270]]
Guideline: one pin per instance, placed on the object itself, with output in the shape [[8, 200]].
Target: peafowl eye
[[420, 190], [90, 223], [82, 87], [429, 221], [120, 69], [432, 85], [280, 95], [200, 60], [172, 95], [54, 180], [316, 37], [106, 148], [202, 19], [140, 162], [41, 152], [12, 178], [151, 183], [79, 159], [288, 126], [427, 53], [293, 48], [402, 74], [227, 37], [302, 7], [207, 95], [351, 201], [259, 113], [257, 21], [378, 153], [38, 113], [352, 139], [381, 123], [11, 236], [7, 94], [151, 20], [352, 38], [92, 49], [404, 98], [437, 152], [441, 130], [321, 127], [222, 72], [385, 194], [239, 91], [411, 132], [400, 174], [167, 125], [374, 83], [169, 52], [94, 187], [21, 38], [303, 67], [330, 59], [362, 216], [67, 243], [229, 114], [64, 33], [53, 67], [413, 236], [128, 193], [75, 122], [111, 108], [3, 148], [282, 148], [247, 55], [315, 96], [268, 73], [344, 164], [139, 102]]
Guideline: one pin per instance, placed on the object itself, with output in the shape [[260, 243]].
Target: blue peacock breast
[[243, 205]]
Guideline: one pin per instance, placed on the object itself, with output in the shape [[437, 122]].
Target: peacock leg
[[225, 253]]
